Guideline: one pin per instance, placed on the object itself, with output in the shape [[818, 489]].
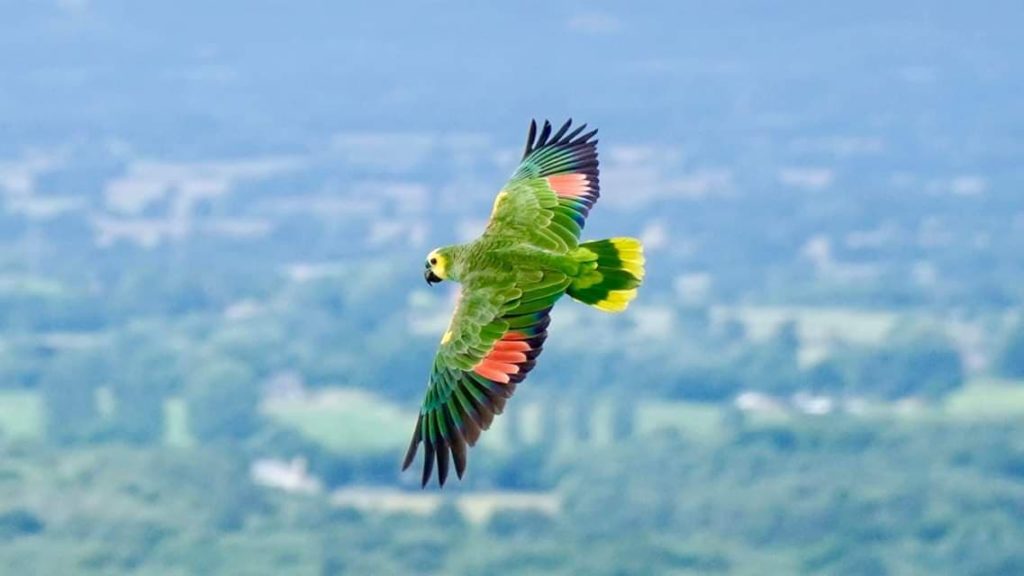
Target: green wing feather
[[548, 198], [491, 345]]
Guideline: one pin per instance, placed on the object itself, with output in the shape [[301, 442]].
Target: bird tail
[[610, 272]]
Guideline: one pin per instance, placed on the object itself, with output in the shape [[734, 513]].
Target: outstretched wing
[[549, 196], [492, 343]]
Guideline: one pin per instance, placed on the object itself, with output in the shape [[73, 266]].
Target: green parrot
[[511, 276]]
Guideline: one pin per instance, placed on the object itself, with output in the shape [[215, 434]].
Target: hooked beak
[[430, 277]]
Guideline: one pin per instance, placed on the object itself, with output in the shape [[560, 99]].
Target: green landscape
[[732, 481], [215, 334]]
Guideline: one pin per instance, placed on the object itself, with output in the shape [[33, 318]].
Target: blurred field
[[691, 419], [987, 399], [176, 425], [21, 414], [346, 420]]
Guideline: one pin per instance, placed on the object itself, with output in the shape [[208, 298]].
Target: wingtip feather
[[414, 445], [545, 132], [530, 138], [561, 131], [442, 462], [428, 463]]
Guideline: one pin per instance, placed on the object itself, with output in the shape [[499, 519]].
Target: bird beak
[[430, 277]]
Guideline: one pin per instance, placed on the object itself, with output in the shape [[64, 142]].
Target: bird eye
[[433, 261]]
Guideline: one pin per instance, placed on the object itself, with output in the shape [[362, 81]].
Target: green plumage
[[526, 259]]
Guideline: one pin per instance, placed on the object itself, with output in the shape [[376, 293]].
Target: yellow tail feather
[[611, 271]]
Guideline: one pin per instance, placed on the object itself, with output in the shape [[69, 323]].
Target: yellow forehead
[[437, 263]]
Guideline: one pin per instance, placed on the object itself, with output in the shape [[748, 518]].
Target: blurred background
[[215, 335]]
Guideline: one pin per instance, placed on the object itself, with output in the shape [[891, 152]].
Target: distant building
[[758, 402], [289, 476], [803, 402], [813, 404]]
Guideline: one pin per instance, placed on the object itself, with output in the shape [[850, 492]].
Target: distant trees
[[138, 376], [514, 428], [19, 522], [713, 382], [917, 365], [148, 371], [624, 406], [551, 422], [1011, 358], [773, 366], [222, 400], [827, 377], [768, 366], [837, 497], [506, 524], [18, 367], [69, 384], [581, 416], [913, 362]]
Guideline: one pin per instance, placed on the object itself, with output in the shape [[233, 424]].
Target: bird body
[[528, 257], [488, 256]]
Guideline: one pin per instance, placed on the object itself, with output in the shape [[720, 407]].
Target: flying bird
[[511, 276]]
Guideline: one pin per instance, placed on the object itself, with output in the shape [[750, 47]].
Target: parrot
[[510, 277]]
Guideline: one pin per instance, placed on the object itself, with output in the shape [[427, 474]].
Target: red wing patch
[[569, 185], [505, 359]]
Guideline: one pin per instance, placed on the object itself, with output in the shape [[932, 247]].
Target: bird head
[[436, 266]]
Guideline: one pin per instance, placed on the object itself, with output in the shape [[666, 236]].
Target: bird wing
[[495, 335], [547, 200]]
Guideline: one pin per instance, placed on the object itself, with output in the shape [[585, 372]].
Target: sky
[[278, 72]]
